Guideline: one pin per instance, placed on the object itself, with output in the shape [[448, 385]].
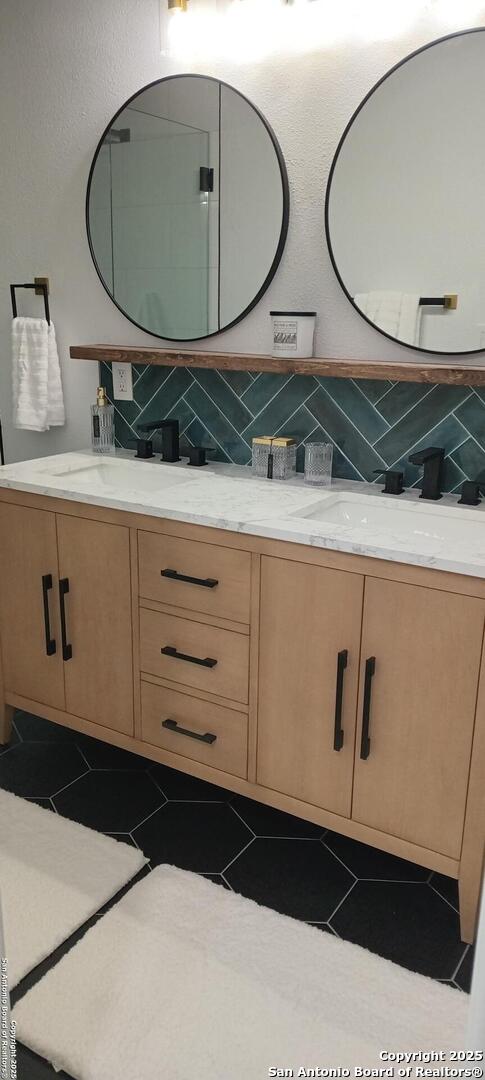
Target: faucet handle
[[394, 481], [196, 455], [470, 493], [144, 448]]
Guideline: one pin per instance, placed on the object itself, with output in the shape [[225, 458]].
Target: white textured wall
[[65, 68]]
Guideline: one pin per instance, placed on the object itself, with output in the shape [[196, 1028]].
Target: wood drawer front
[[229, 677], [229, 599], [227, 752]]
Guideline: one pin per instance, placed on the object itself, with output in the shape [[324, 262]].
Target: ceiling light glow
[[248, 30]]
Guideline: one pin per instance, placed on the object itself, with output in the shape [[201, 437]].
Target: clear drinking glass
[[318, 463]]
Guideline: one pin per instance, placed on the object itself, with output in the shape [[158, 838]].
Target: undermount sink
[[121, 475], [376, 513]]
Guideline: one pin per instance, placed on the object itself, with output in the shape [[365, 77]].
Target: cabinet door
[[94, 559], [310, 629], [29, 608], [411, 774]]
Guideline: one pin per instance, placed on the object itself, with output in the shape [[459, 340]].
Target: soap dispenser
[[102, 424]]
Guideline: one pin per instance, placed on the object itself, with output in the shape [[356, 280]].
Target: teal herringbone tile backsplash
[[373, 424]]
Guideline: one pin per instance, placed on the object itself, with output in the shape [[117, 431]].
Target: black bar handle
[[172, 725], [50, 645], [63, 590], [170, 651], [342, 661], [370, 667], [207, 583]]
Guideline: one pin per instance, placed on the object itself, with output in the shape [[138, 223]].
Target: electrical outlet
[[123, 382]]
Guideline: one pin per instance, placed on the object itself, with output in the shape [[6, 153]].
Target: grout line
[[242, 820], [219, 410], [210, 433], [143, 822], [381, 398], [83, 755], [371, 446], [466, 950], [272, 398], [322, 842], [339, 448], [160, 387], [430, 430], [443, 898], [332, 916], [19, 737], [227, 883], [238, 856], [71, 782], [304, 405]]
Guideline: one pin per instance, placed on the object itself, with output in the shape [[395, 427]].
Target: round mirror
[[405, 202], [187, 207]]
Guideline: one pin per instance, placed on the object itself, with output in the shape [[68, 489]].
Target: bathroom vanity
[[258, 636]]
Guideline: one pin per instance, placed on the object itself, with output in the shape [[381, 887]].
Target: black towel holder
[[41, 287]]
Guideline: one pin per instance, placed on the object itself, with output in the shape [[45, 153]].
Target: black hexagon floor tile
[[44, 803], [184, 788], [110, 801], [369, 862], [38, 770], [407, 923], [35, 729], [100, 755], [32, 1067], [296, 877], [13, 740], [446, 887], [218, 880], [266, 821], [123, 838], [463, 977], [203, 837]]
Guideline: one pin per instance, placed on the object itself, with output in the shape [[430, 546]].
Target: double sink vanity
[[319, 650]]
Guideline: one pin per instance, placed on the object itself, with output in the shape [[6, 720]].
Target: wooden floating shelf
[[421, 371]]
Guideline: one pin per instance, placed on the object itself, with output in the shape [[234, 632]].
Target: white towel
[[397, 313], [38, 401]]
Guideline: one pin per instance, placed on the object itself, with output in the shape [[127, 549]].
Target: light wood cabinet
[[195, 728], [308, 678], [65, 614], [29, 610], [195, 654], [94, 558], [420, 712], [196, 576], [347, 690]]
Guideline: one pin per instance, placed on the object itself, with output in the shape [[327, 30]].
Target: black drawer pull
[[370, 667], [63, 590], [170, 651], [206, 583], [50, 645], [172, 725], [342, 661]]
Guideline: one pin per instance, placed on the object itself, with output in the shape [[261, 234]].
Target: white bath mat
[[54, 874], [185, 980]]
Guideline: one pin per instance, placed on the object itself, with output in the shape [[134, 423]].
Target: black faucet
[[432, 461], [170, 437]]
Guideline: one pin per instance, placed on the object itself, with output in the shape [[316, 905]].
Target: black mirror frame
[[410, 56], [284, 222]]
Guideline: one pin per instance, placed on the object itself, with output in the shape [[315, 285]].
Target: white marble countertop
[[360, 519]]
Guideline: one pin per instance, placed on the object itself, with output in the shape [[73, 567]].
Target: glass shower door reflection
[[161, 231]]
